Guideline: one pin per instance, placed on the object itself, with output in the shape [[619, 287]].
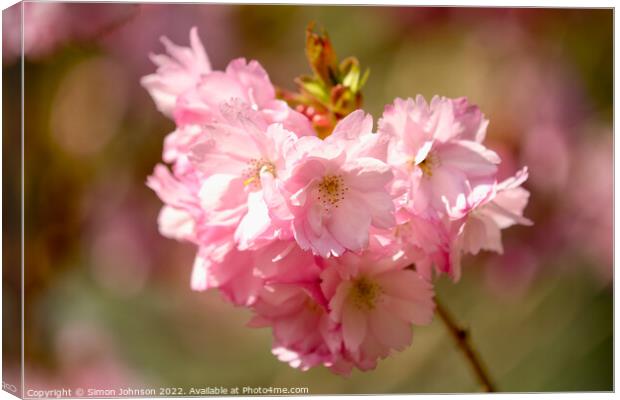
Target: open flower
[[241, 82], [376, 301], [482, 227], [336, 191], [185, 87], [237, 157], [436, 151]]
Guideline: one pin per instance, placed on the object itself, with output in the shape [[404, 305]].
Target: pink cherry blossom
[[179, 218], [244, 82], [304, 335], [376, 301], [426, 241], [237, 158], [221, 266], [283, 261], [436, 152], [177, 72], [336, 190], [331, 243], [482, 229], [185, 87]]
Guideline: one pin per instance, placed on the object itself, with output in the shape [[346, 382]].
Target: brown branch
[[461, 338]]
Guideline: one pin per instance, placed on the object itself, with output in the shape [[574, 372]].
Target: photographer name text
[[164, 391]]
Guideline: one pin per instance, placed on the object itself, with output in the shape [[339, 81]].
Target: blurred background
[[108, 301]]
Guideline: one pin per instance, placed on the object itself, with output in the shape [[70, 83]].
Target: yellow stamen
[[254, 170], [364, 293], [332, 190], [429, 164]]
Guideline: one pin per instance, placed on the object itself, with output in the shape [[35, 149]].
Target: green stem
[[462, 340]]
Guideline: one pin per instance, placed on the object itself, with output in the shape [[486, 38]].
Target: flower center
[[429, 164], [254, 169], [332, 190], [364, 293]]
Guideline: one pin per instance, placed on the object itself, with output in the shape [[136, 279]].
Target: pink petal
[[389, 329], [366, 173], [471, 158], [381, 208], [406, 285], [351, 127], [255, 223], [175, 223], [221, 191], [354, 326], [419, 314], [218, 87], [253, 78], [349, 224], [336, 303]]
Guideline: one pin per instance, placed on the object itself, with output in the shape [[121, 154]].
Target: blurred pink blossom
[[50, 25]]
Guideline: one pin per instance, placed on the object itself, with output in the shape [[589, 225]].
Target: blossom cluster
[[332, 243]]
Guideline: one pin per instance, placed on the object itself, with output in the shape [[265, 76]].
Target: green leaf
[[315, 88]]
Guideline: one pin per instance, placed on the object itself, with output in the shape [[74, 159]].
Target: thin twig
[[461, 338]]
